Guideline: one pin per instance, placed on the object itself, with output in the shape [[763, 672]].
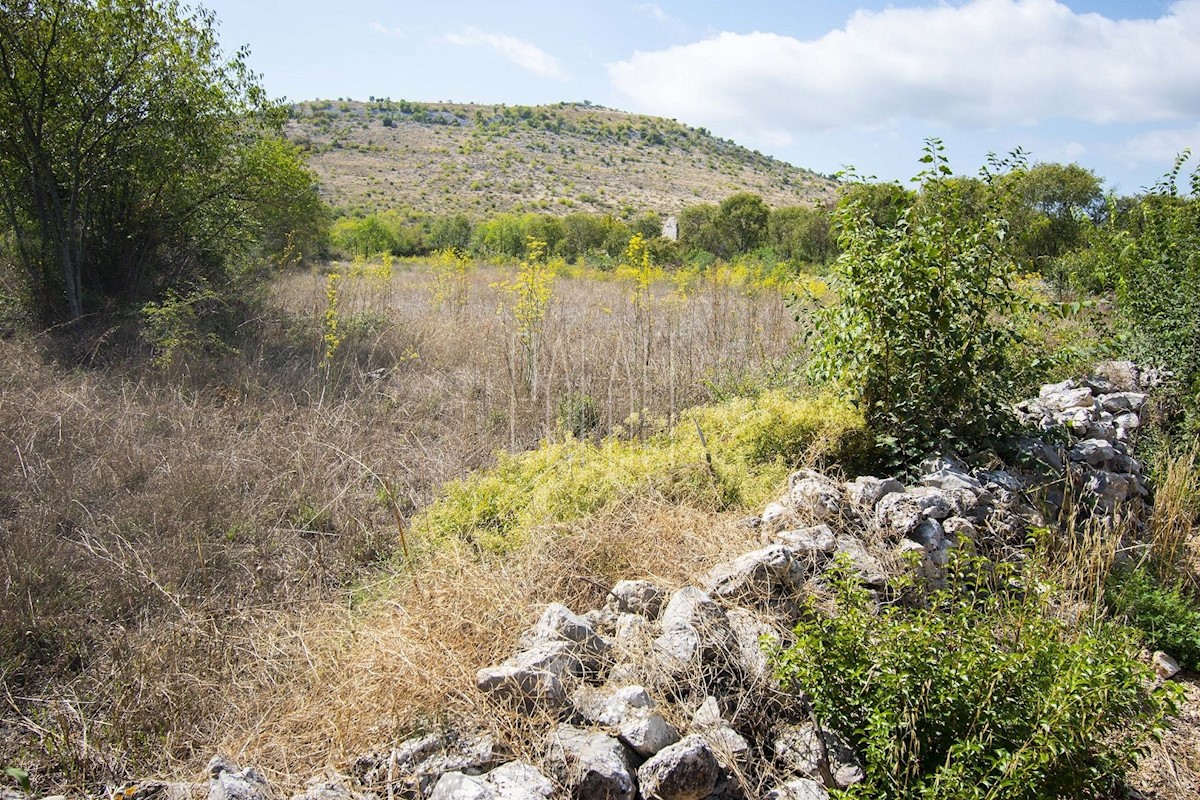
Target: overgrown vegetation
[[139, 161], [921, 334], [733, 455], [983, 691]]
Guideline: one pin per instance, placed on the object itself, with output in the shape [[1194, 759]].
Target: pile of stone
[[669, 695]]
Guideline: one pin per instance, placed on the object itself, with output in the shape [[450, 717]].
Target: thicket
[[923, 329], [139, 161], [982, 691]]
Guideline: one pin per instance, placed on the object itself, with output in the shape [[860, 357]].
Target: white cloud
[[1161, 146], [520, 52], [379, 27], [980, 63], [655, 10]]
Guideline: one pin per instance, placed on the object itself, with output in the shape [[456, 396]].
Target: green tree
[[1048, 207], [453, 231], [802, 233], [699, 229], [134, 155], [742, 221], [923, 329]]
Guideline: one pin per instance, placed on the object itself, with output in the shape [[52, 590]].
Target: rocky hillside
[[485, 159]]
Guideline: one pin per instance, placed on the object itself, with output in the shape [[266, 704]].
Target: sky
[[824, 84]]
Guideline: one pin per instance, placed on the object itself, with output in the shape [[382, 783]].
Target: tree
[[1048, 207], [742, 220], [802, 233], [923, 330], [136, 156]]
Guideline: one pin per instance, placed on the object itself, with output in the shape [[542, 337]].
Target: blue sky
[[1114, 86]]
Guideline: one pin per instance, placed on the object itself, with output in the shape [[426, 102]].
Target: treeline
[[1048, 208]]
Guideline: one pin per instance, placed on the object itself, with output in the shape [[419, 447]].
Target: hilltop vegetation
[[485, 159]]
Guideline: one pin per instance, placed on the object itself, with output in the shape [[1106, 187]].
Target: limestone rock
[[638, 597], [799, 789], [513, 781], [227, 782], [687, 770], [694, 629], [804, 750], [591, 765], [866, 491], [1165, 666], [813, 496], [759, 575]]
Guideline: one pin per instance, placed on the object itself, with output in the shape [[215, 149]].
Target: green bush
[[749, 447], [1159, 283], [978, 693], [923, 329], [1164, 611]]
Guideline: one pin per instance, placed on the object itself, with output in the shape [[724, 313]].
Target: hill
[[485, 159]]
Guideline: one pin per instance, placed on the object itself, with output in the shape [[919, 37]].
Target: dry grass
[[599, 168], [406, 661], [184, 552]]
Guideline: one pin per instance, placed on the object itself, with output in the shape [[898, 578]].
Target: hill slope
[[484, 159]]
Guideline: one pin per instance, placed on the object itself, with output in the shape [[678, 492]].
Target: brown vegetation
[[185, 549], [482, 160]]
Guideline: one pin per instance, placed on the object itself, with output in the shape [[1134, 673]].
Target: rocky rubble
[[668, 695]]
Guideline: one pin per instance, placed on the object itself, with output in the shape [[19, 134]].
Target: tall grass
[[177, 540]]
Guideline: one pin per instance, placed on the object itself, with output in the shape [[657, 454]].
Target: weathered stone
[[749, 630], [899, 514], [729, 746], [813, 496], [558, 624], [610, 707], [513, 781], [227, 782], [761, 574], [813, 754], [1095, 452], [458, 786], [799, 789], [638, 597], [591, 765], [1122, 402], [865, 565], [694, 629], [526, 687], [328, 789], [867, 491], [646, 732], [777, 516], [1109, 488], [945, 472], [632, 627], [417, 763], [956, 528], [630, 713], [1065, 395], [813, 543], [1165, 666], [687, 770]]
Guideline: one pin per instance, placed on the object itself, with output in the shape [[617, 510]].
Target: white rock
[[685, 771], [1165, 666]]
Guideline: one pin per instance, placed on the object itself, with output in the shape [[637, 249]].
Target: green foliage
[[1159, 284], [922, 332], [802, 233], [742, 219], [138, 157], [980, 693], [1163, 610], [753, 443], [1048, 208]]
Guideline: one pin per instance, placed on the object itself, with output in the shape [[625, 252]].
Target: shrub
[[1160, 280], [1161, 609], [979, 693], [922, 332], [749, 445]]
